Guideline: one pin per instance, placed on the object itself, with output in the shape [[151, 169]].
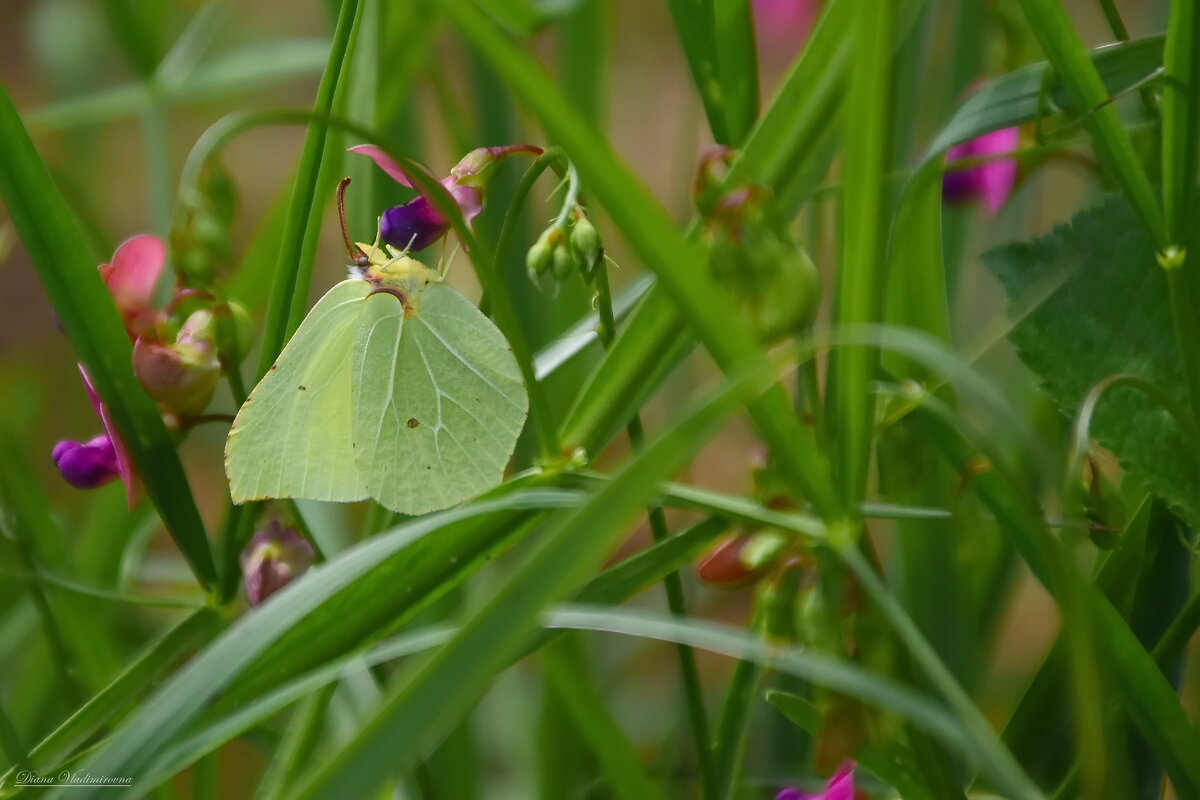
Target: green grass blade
[[652, 235], [289, 292], [1180, 117], [1052, 27], [566, 671], [10, 743], [1014, 98], [583, 58], [88, 317], [861, 273], [1140, 686], [996, 760], [834, 673], [428, 702], [737, 58], [137, 28], [695, 26], [181, 699], [149, 666]]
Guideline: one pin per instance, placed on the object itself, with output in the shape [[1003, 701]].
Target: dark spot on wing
[[302, 388], [274, 366], [412, 422]]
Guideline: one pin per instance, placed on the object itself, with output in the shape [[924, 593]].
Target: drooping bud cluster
[[571, 244], [754, 255], [273, 558]]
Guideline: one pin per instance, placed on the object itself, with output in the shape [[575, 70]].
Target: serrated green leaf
[[1107, 312]]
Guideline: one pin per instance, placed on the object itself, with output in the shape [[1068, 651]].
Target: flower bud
[[586, 240], [564, 261], [273, 557], [184, 375], [87, 465]]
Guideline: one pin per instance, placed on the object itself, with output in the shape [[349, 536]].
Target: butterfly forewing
[[293, 436]]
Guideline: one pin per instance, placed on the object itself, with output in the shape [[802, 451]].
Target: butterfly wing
[[438, 400], [292, 436]]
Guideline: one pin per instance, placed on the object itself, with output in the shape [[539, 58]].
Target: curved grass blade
[[834, 673], [1013, 98], [1058, 38], [652, 235], [1141, 688], [88, 317], [429, 701], [180, 700]]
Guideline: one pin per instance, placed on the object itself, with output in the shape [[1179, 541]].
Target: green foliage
[[1091, 302]]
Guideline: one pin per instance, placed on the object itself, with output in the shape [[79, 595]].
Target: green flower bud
[[565, 261], [540, 258], [586, 240]]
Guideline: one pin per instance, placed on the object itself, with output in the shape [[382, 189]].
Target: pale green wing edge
[[438, 401], [293, 435]]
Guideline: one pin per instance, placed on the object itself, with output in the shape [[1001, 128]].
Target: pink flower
[[131, 278], [991, 182], [839, 787], [418, 223]]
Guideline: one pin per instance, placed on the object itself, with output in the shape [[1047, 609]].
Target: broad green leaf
[[294, 435], [1105, 312], [438, 401]]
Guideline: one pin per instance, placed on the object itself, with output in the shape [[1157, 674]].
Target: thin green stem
[[1113, 16], [693, 691], [538, 402], [157, 158]]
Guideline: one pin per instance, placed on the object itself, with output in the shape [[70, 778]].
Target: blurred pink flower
[[781, 26], [991, 182], [839, 787], [131, 278]]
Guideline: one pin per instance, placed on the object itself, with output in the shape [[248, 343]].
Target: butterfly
[[395, 387]]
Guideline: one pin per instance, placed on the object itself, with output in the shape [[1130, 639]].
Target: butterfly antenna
[[448, 260], [341, 207]]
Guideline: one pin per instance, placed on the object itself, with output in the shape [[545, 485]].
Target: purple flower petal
[[86, 465]]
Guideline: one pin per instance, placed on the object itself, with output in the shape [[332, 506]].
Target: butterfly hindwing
[[438, 401], [293, 436]]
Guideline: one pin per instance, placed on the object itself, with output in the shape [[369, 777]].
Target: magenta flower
[[96, 462], [780, 28], [839, 787], [131, 278], [418, 223], [274, 557], [86, 465], [991, 182]]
